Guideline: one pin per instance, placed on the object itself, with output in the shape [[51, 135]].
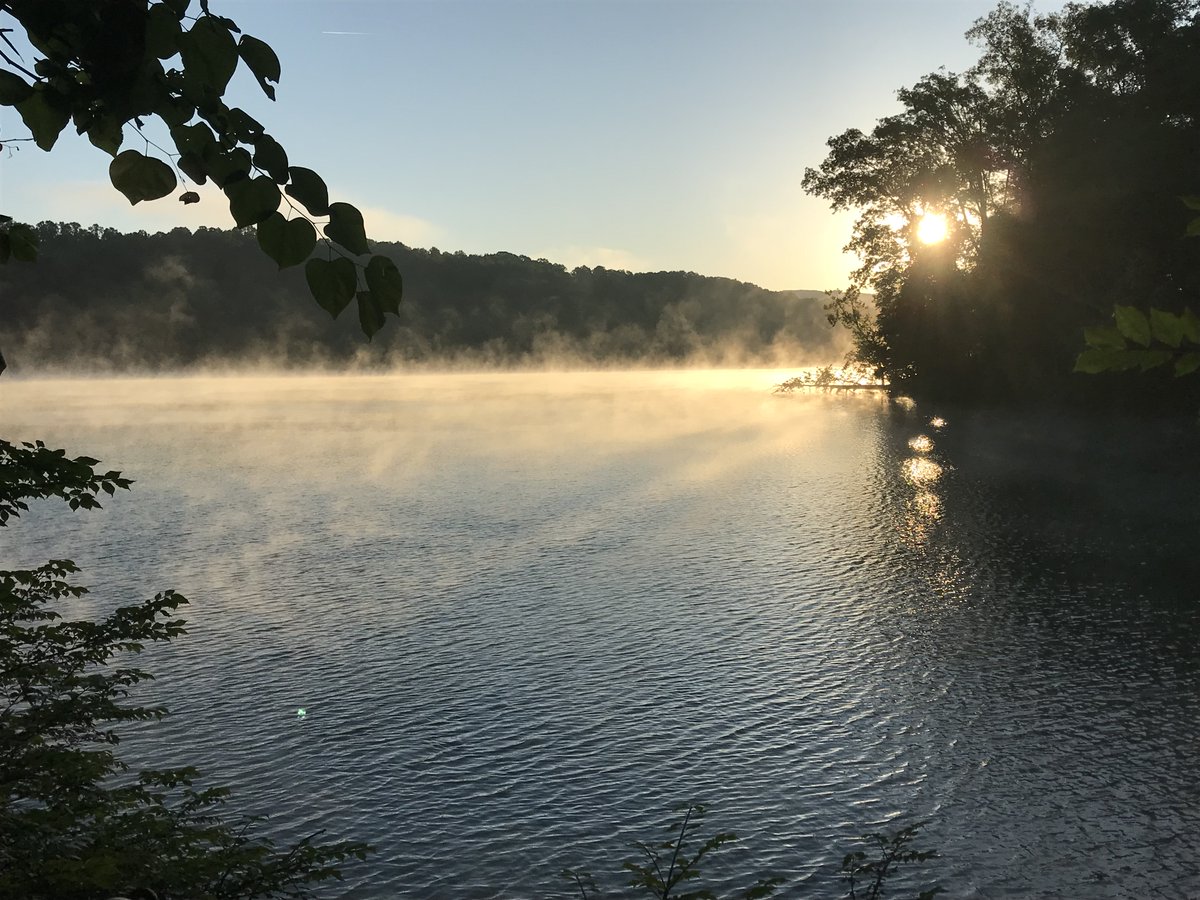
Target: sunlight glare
[[932, 228]]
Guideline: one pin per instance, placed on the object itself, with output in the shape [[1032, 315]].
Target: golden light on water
[[937, 422], [920, 444], [932, 228], [920, 470]]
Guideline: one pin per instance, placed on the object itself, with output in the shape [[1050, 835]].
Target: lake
[[528, 614]]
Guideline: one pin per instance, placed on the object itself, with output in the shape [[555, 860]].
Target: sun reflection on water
[[920, 471], [920, 444]]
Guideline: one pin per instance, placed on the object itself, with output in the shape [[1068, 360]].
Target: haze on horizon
[[645, 135]]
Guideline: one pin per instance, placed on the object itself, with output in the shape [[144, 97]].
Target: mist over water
[[526, 614]]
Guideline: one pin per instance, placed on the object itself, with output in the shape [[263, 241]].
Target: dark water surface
[[528, 614]]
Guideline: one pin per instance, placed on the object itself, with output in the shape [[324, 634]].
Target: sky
[[645, 135]]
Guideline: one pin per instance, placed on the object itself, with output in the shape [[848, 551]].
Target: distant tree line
[[1064, 162], [101, 299]]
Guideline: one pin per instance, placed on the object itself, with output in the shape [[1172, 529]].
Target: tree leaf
[[346, 228], [1095, 361], [162, 32], [141, 177], [370, 316], [1150, 359], [175, 111], [45, 115], [288, 242], [106, 133], [193, 138], [309, 189], [270, 156], [240, 126], [13, 88], [226, 167], [1193, 229], [193, 167], [385, 283], [1187, 364], [332, 283], [209, 55], [1190, 325], [189, 197], [261, 60], [1104, 337], [251, 200], [1166, 327], [1133, 324]]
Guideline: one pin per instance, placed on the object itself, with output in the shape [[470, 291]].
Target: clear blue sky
[[639, 134]]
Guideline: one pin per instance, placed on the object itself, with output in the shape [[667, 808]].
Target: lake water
[[527, 614]]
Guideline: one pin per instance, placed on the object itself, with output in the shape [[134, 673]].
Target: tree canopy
[[1060, 162], [101, 300], [113, 70]]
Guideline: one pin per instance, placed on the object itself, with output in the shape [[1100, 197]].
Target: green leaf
[[1104, 337], [241, 126], [309, 189], [1190, 325], [1166, 327], [189, 197], [270, 156], [1187, 364], [1191, 202], [261, 60], [332, 283], [226, 167], [107, 133], [45, 115], [13, 88], [174, 111], [1133, 324], [22, 242], [288, 242], [193, 167], [252, 200], [209, 55], [346, 228], [141, 177], [162, 32], [1150, 359], [1095, 361], [385, 284], [370, 316], [193, 138]]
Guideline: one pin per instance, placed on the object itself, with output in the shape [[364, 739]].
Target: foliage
[[75, 823], [100, 299], [1143, 341], [113, 68], [828, 378], [663, 866], [894, 850], [1057, 159]]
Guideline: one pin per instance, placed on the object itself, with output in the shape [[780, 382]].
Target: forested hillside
[[1058, 173], [100, 299]]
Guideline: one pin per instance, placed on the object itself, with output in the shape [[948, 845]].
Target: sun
[[932, 228]]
